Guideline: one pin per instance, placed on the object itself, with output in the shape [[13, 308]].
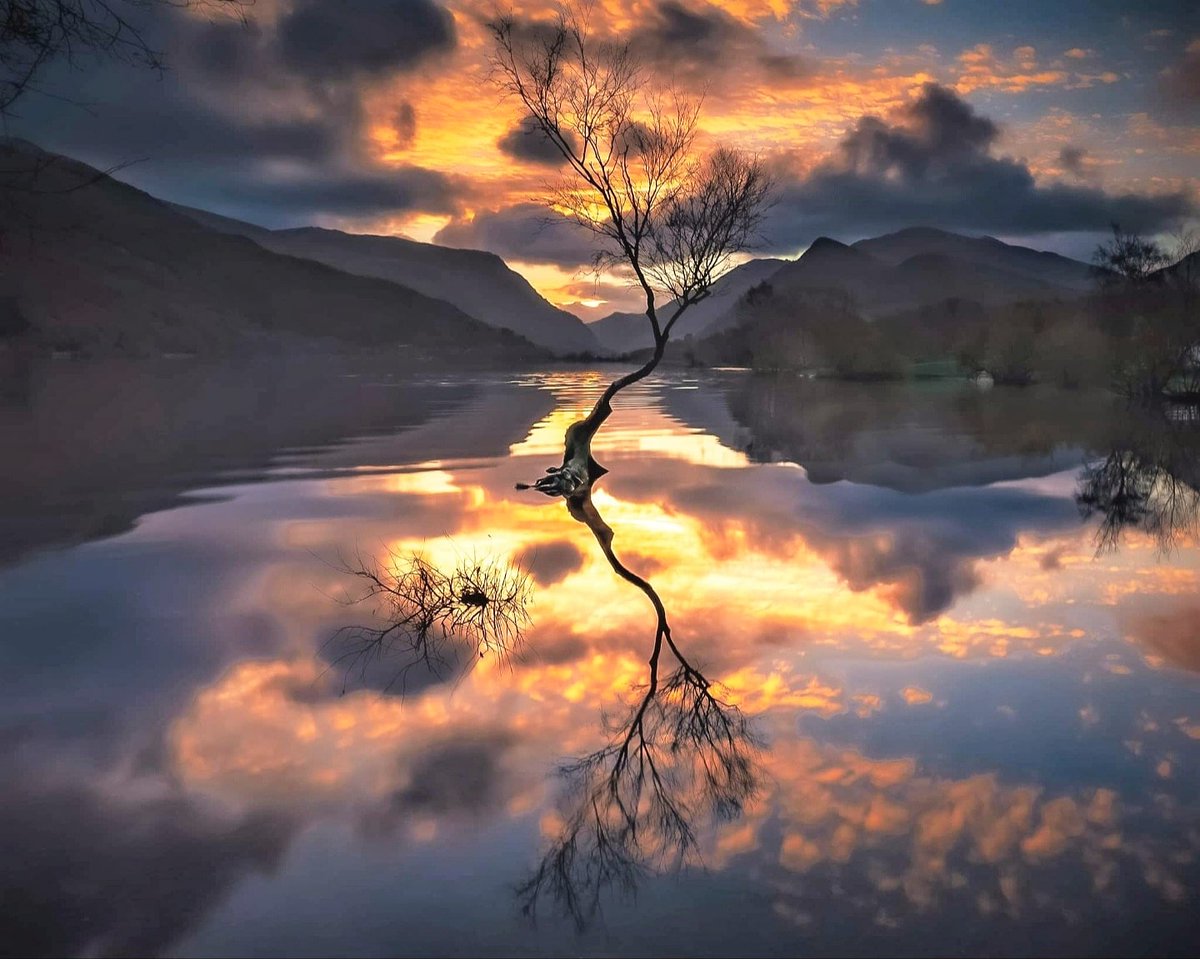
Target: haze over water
[[978, 714]]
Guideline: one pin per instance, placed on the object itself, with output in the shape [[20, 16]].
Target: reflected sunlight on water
[[979, 732]]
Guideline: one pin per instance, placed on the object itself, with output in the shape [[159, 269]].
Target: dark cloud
[[554, 648], [339, 38], [1072, 159], [552, 562], [345, 193], [233, 128], [315, 44], [934, 165], [939, 133], [226, 49], [920, 551], [527, 232], [700, 34], [88, 874], [404, 123], [463, 775], [921, 573], [527, 142], [696, 41], [1052, 560]]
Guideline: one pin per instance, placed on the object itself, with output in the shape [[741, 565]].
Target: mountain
[[95, 265], [1186, 271], [929, 277], [1048, 268], [915, 268], [478, 283], [889, 274], [625, 332], [841, 308], [829, 265]]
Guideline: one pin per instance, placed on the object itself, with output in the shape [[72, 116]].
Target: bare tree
[[1128, 258], [673, 218], [34, 33]]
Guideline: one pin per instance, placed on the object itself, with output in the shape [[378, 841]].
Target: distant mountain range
[[108, 268], [886, 274], [1010, 261], [478, 283], [92, 265]]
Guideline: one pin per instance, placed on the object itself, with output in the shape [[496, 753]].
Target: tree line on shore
[[1137, 331]]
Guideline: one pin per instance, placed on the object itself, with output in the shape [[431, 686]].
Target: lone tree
[[672, 217]]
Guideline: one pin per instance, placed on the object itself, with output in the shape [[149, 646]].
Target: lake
[[931, 684]]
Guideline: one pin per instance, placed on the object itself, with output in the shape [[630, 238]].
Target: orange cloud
[[982, 68]]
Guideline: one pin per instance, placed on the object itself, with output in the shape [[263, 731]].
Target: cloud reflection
[[921, 772]]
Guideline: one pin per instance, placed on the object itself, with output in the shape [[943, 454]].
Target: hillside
[[96, 266], [841, 309], [829, 266], [930, 277], [625, 332], [929, 273], [1051, 269], [478, 283]]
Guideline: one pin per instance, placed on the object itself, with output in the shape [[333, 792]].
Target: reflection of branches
[[433, 617], [1149, 481], [680, 753]]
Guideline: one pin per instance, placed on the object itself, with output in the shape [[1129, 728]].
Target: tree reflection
[[431, 618], [680, 753], [1148, 481]]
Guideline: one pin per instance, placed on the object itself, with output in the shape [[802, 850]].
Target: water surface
[[962, 627]]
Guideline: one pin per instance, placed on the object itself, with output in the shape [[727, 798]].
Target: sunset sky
[[1038, 121]]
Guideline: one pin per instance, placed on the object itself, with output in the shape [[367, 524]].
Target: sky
[[1037, 122]]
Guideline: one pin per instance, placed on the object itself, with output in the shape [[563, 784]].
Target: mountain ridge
[[909, 268], [478, 282], [102, 267]]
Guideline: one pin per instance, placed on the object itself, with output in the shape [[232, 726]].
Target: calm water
[[970, 665]]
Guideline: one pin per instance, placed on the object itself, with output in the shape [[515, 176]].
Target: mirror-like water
[[931, 684]]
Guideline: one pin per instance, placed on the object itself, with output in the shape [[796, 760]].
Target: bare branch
[[432, 618], [674, 220]]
